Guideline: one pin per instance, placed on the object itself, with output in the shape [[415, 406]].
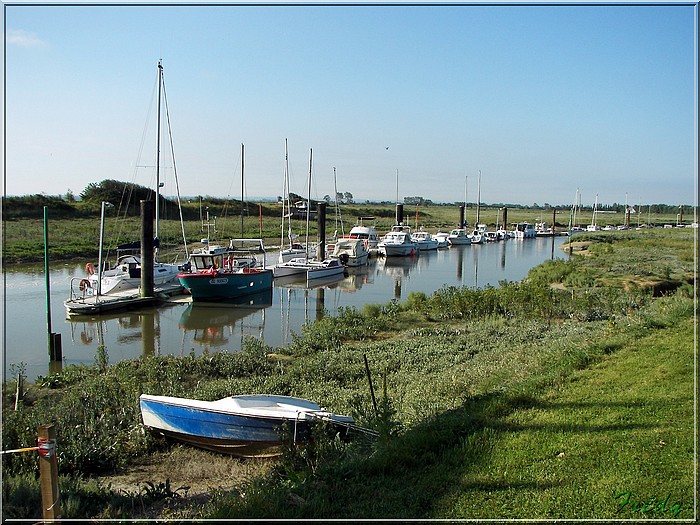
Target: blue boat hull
[[223, 431], [205, 286]]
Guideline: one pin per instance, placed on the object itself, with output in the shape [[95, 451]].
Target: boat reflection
[[398, 268], [213, 323], [132, 327]]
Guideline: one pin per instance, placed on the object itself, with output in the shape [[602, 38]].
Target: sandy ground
[[193, 475]]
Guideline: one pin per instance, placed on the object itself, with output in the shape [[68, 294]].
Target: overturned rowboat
[[246, 425]]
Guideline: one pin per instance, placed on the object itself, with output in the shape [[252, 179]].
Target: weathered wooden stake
[[18, 392], [48, 474], [371, 387]]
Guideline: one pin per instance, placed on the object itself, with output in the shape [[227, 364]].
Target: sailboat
[[477, 235], [126, 273], [305, 266], [593, 226], [294, 249]]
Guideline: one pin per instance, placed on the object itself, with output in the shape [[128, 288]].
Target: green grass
[[625, 424], [78, 237], [540, 399]]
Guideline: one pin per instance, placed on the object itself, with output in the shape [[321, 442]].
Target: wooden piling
[[48, 474], [55, 347], [147, 249], [461, 217], [399, 213]]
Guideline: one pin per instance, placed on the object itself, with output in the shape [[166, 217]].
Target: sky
[[387, 100]]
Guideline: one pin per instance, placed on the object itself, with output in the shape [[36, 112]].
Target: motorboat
[[397, 243], [365, 232], [424, 240], [351, 252], [459, 236]]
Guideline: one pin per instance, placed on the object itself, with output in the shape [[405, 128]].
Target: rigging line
[[124, 202], [172, 153]]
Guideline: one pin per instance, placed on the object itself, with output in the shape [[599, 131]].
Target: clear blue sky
[[542, 99]]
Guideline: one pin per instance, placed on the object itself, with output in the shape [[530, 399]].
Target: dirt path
[[188, 475]]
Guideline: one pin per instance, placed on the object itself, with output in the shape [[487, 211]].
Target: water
[[181, 328]]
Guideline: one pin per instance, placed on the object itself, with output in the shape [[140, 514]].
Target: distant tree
[[327, 198], [124, 196], [348, 197]]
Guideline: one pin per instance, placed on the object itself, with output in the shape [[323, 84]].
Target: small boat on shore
[[245, 425]]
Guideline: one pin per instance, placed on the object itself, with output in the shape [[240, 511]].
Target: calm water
[[181, 328]]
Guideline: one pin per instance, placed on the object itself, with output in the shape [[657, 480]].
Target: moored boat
[[458, 236], [397, 243], [218, 273], [365, 232], [524, 230], [325, 268], [246, 425], [442, 239], [351, 252], [425, 241]]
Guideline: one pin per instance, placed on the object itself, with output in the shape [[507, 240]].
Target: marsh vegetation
[[537, 399]]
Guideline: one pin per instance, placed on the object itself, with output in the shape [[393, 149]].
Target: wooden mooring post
[[54, 339], [48, 474]]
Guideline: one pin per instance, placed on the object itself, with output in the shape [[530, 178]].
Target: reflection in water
[[178, 328], [212, 324], [398, 268]]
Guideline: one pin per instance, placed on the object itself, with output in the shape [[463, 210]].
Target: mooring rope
[[16, 450]]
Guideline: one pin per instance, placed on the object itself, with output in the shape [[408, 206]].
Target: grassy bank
[[563, 396], [78, 237]]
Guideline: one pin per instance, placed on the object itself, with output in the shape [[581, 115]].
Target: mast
[[242, 191], [466, 184], [308, 206], [478, 199], [285, 197], [595, 208], [397, 185], [160, 85]]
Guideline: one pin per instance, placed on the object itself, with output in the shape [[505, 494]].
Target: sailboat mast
[[160, 86], [285, 195], [242, 190], [308, 205], [595, 209], [397, 185], [478, 199]]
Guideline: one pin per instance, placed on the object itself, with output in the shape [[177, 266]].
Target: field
[[568, 395], [78, 237]]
